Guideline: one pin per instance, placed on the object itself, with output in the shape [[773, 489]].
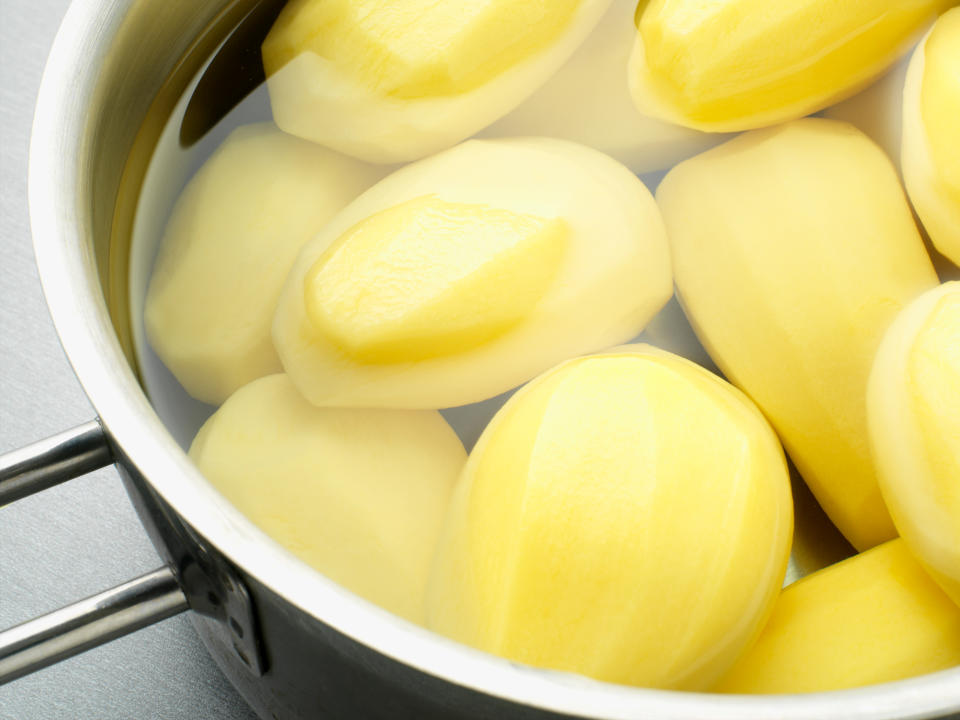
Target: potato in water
[[390, 81], [588, 101], [626, 516], [733, 65], [873, 618], [234, 233], [466, 274], [358, 494], [914, 413], [794, 249], [931, 134]]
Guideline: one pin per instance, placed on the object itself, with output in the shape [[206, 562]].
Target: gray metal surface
[[83, 537]]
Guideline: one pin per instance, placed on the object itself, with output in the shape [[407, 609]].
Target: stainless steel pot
[[295, 644]]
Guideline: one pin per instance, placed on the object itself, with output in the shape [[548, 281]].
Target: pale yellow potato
[[390, 81], [466, 274], [626, 516], [734, 65], [930, 156], [874, 618], [360, 495], [914, 413], [230, 242], [794, 249], [588, 101]]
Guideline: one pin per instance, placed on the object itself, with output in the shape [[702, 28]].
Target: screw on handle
[[52, 461]]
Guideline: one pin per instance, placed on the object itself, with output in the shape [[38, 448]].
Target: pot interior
[[198, 107]]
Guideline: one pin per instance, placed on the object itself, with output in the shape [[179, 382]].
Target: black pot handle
[[96, 620]]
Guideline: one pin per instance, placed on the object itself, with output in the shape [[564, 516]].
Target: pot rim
[[63, 242]]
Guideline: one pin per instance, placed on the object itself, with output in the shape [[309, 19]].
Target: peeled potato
[[228, 247], [740, 64], [626, 516], [466, 274], [794, 249], [874, 618], [914, 412], [588, 101], [358, 494], [931, 134], [390, 81]]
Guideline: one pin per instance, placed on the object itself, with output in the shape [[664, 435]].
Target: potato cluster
[[627, 513]]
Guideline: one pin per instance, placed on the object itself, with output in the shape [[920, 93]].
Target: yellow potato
[[794, 248], [914, 412], [874, 618], [588, 101], [360, 495], [741, 64], [390, 81], [230, 242], [931, 134], [626, 516], [466, 274]]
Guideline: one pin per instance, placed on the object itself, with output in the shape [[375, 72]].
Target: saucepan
[[295, 644]]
